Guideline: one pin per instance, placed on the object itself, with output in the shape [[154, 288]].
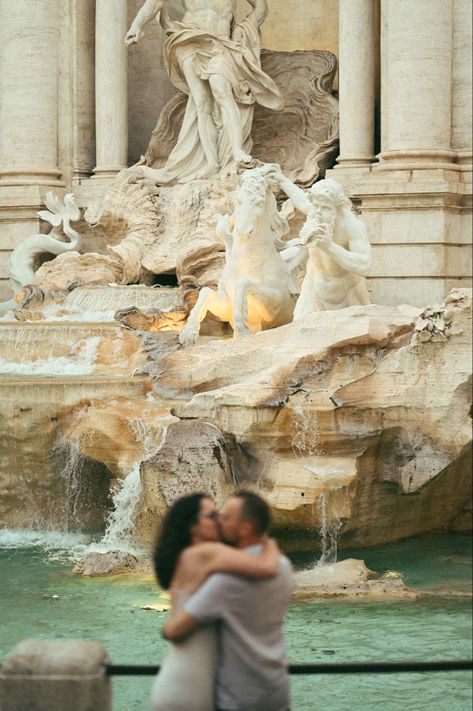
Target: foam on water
[[56, 312], [81, 362], [11, 538]]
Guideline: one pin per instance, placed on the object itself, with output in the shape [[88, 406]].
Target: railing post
[[53, 675]]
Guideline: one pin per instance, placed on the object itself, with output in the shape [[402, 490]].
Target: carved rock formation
[[346, 422], [349, 578], [343, 420]]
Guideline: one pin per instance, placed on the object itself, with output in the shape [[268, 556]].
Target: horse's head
[[253, 200]]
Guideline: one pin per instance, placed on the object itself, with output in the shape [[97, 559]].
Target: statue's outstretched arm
[[260, 8], [296, 195], [147, 12]]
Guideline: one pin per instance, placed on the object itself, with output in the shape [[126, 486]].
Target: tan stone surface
[[344, 411], [349, 578], [45, 478], [193, 457], [112, 563]]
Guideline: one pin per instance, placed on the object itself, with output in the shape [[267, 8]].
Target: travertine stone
[[349, 578], [324, 453], [29, 35], [417, 83], [55, 675], [357, 60], [191, 452], [76, 95], [111, 87], [462, 82]]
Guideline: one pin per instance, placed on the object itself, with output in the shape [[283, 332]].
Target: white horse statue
[[256, 289]]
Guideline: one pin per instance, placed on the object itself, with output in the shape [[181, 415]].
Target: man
[[251, 672], [217, 63], [333, 242]]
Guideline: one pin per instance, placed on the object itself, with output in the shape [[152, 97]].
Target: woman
[[187, 552]]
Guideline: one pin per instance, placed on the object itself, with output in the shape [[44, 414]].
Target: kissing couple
[[230, 588]]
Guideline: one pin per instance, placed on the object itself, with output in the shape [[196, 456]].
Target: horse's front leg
[[209, 300], [265, 306], [243, 287]]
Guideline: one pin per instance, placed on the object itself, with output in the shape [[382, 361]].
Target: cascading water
[[329, 533], [80, 361], [101, 303], [72, 476], [120, 524]]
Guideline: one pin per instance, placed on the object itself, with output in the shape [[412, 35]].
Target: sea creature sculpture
[[23, 259]]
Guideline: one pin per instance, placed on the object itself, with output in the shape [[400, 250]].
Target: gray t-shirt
[[251, 671]]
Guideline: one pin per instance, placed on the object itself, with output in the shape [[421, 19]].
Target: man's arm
[[179, 626], [148, 11], [208, 604]]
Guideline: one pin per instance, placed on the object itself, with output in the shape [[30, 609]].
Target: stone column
[[111, 87], [357, 66], [56, 675], [29, 39], [416, 105], [462, 83]]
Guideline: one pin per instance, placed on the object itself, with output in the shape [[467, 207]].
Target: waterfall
[[113, 298], [72, 473], [120, 524], [80, 361], [121, 520], [329, 532]]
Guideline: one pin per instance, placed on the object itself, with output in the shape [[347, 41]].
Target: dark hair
[[256, 510], [174, 536]]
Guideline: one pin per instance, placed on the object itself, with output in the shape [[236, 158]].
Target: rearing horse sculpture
[[255, 291]]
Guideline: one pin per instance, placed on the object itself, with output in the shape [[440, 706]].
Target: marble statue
[[334, 247], [215, 60], [60, 215], [256, 290]]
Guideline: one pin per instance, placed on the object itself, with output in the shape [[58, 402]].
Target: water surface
[[40, 597]]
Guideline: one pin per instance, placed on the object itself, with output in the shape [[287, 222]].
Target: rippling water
[[437, 626]]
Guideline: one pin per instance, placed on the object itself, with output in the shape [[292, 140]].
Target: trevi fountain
[[235, 253]]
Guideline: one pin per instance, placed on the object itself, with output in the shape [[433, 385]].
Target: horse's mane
[[254, 181]]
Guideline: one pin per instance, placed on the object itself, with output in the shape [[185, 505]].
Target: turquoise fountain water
[[40, 597]]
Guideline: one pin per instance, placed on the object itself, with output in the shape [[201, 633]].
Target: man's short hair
[[255, 510]]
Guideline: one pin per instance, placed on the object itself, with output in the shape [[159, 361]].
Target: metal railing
[[337, 668]]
